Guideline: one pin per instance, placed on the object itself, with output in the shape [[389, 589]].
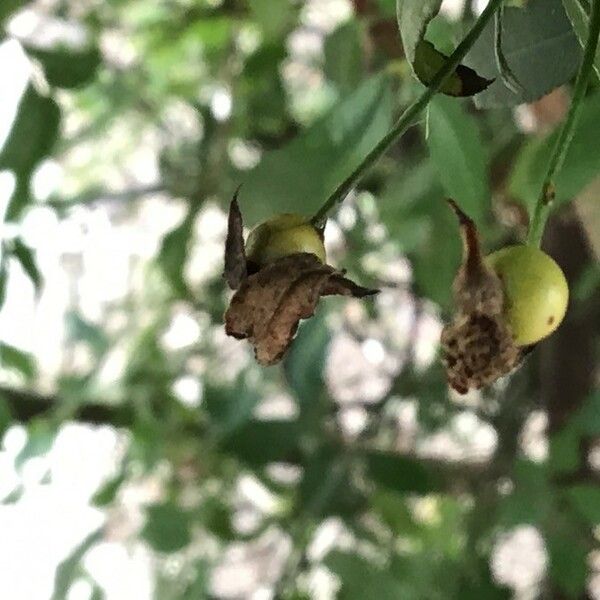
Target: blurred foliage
[[231, 97]]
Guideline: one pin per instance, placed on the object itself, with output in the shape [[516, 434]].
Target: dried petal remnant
[[235, 255], [478, 349], [269, 305], [270, 301], [478, 346]]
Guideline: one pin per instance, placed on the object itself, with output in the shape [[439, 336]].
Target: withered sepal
[[270, 301], [268, 306], [477, 345]]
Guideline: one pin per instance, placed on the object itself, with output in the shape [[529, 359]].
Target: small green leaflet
[[540, 50]]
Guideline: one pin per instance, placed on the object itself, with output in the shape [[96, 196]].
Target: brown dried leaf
[[478, 347], [268, 306], [236, 269], [338, 285]]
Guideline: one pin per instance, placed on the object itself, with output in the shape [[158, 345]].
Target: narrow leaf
[[24, 254], [3, 281], [32, 136], [69, 568], [167, 528], [400, 473], [33, 133], [13, 358], [458, 153], [173, 253], [67, 67]]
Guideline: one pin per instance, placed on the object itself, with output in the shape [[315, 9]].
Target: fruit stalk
[[544, 203], [407, 117]]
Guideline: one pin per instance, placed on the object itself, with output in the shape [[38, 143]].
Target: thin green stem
[[561, 147], [407, 117]]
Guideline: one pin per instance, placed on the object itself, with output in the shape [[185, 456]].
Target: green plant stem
[[407, 117], [561, 147]]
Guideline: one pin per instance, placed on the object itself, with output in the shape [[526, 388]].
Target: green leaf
[[564, 455], [230, 407], [14, 496], [7, 7], [32, 134], [304, 365], [6, 416], [274, 18], [24, 254], [167, 528], [300, 176], [400, 473], [578, 12], [344, 57], [580, 168], [13, 358], [262, 442], [413, 18], [108, 491], [173, 253], [198, 587], [262, 88], [439, 257], [568, 561], [40, 437], [97, 592], [3, 279], [531, 500], [68, 570], [80, 330], [587, 419], [394, 511], [362, 580], [458, 153], [586, 500], [66, 67], [326, 487], [216, 518], [587, 283], [540, 48]]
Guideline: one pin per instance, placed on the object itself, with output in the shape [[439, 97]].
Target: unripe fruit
[[281, 236], [536, 292]]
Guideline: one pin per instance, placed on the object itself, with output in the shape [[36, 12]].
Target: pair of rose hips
[[506, 301], [535, 288]]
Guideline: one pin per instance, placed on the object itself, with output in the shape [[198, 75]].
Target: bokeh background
[[143, 453]]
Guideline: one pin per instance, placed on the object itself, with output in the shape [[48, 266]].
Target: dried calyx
[[478, 345], [273, 295]]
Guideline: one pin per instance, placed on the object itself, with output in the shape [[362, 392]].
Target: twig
[[561, 147], [407, 117], [93, 195]]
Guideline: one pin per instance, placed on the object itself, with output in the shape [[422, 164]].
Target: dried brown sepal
[[478, 347], [268, 306], [478, 350], [236, 269]]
